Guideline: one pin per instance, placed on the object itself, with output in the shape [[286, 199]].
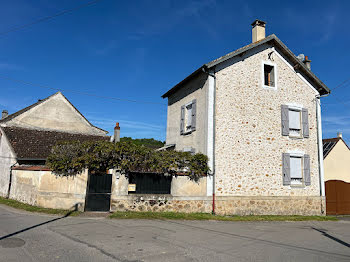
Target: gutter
[[211, 133], [320, 147]]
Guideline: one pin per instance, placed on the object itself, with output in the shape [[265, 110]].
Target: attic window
[[269, 75]]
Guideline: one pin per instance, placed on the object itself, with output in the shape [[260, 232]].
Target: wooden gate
[[337, 197], [98, 195]]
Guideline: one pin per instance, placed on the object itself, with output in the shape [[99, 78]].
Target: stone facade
[[248, 138], [186, 196], [161, 203], [224, 205], [248, 141]]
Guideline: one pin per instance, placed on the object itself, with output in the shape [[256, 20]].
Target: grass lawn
[[206, 216], [30, 208]]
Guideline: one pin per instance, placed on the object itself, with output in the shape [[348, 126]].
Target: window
[[188, 117], [296, 169], [144, 183], [269, 75], [295, 121], [296, 173]]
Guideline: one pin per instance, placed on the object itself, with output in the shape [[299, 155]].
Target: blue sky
[[139, 49]]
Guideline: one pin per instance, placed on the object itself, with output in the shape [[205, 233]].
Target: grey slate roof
[[298, 65], [328, 145]]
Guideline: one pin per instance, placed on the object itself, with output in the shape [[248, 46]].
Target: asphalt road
[[32, 237]]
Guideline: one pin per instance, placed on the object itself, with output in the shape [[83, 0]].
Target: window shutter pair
[[193, 120], [286, 169], [285, 121]]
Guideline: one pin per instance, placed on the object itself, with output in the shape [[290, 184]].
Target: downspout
[[320, 147], [10, 181], [211, 132]]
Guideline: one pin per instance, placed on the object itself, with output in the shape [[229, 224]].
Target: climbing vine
[[71, 158]]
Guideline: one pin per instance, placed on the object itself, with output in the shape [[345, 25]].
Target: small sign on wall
[[132, 187]]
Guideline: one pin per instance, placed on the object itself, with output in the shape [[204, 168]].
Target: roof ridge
[[40, 101], [321, 87], [50, 131], [23, 110]]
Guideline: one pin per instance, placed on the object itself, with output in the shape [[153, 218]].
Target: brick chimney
[[307, 62], [116, 137], [4, 114], [258, 30]]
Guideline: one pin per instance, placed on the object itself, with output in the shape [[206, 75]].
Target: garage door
[[337, 197]]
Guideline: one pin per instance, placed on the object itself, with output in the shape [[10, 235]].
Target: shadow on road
[[38, 225], [332, 237]]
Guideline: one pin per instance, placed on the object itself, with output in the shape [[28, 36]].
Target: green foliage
[[71, 158], [147, 142]]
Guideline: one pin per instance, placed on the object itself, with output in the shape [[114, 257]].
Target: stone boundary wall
[[44, 189], [224, 205]]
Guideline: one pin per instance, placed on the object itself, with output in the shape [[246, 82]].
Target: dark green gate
[[98, 196]]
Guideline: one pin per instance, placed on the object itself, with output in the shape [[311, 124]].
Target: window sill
[[270, 87], [147, 195], [296, 137], [297, 186], [187, 133]]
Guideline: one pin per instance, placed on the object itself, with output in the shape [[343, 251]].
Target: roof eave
[[188, 78], [321, 87]]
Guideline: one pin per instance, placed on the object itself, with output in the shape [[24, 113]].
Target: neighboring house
[[256, 114], [336, 155], [26, 138]]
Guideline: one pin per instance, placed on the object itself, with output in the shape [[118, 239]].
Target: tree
[[71, 158], [147, 142]]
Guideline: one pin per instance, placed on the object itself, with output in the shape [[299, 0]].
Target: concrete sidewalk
[[33, 237]]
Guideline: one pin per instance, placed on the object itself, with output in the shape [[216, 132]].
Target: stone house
[[26, 138], [256, 114], [336, 155]]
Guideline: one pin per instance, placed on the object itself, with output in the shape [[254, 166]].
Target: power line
[[78, 92], [17, 28], [341, 84]]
